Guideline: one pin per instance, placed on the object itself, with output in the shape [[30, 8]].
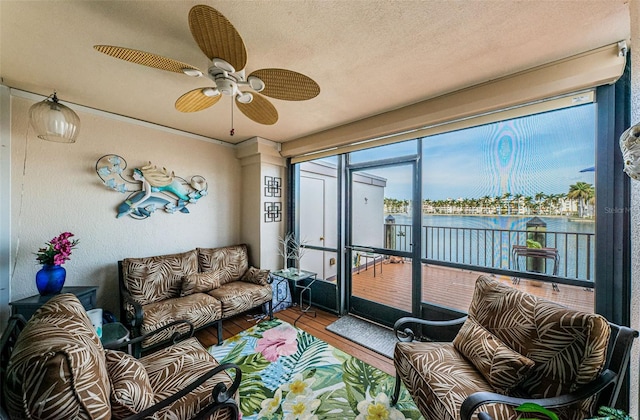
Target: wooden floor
[[314, 326], [391, 285], [451, 287]]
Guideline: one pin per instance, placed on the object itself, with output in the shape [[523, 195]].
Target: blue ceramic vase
[[50, 279]]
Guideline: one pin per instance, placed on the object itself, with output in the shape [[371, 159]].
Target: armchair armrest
[[222, 396], [175, 338], [473, 401], [138, 312], [408, 334]]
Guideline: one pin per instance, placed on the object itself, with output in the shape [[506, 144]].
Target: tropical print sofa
[[511, 343], [203, 286], [58, 369]]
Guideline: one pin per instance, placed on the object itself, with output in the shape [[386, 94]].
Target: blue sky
[[538, 153]]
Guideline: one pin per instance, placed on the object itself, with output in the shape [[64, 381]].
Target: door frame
[[374, 311]]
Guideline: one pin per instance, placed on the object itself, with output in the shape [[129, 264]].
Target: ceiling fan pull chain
[[233, 130]]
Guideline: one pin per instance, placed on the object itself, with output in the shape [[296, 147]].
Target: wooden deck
[[451, 287]]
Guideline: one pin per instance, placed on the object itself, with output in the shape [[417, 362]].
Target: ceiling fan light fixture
[[54, 121], [223, 65], [244, 97], [210, 92], [256, 83], [226, 86], [192, 72]]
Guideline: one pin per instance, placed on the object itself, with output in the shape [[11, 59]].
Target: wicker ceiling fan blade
[[287, 85], [145, 58], [216, 36], [196, 100], [259, 110]]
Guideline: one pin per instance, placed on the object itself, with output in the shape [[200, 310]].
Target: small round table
[[113, 335]]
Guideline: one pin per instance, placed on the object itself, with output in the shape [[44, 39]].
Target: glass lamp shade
[[54, 122]]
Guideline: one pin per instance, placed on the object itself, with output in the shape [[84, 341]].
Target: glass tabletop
[[294, 274], [114, 333]]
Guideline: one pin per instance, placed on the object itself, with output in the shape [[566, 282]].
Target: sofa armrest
[[475, 400], [222, 396], [407, 334]]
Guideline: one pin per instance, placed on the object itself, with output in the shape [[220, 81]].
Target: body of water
[[488, 241], [554, 223]]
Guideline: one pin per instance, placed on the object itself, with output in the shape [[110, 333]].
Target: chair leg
[[396, 390], [270, 310], [220, 340]]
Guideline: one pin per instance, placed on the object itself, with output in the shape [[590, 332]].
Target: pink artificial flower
[[278, 341]]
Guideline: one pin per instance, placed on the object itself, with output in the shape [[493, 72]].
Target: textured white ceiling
[[367, 56]]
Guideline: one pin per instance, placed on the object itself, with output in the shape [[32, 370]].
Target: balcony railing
[[493, 248]]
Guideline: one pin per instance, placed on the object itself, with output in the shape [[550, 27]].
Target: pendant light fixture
[[54, 121]]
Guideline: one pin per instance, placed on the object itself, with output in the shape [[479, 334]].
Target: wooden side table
[[28, 306]]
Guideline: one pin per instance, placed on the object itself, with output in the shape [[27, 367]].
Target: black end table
[[28, 306]]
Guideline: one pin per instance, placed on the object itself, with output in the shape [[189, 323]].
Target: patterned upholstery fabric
[[199, 282], [57, 369], [256, 276], [502, 367], [131, 391], [240, 296], [230, 261], [154, 279], [172, 368], [568, 348], [200, 309]]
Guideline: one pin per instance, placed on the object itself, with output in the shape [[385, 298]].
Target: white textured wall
[[60, 191], [635, 212]]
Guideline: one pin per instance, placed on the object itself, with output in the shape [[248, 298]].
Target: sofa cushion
[[57, 369], [230, 261], [439, 379], [200, 309], [173, 368], [502, 367], [240, 296], [131, 390], [199, 282], [568, 347], [256, 276], [153, 279]]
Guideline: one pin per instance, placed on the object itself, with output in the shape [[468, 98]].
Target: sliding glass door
[[380, 238]]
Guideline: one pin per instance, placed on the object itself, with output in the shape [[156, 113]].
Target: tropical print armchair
[[513, 347]]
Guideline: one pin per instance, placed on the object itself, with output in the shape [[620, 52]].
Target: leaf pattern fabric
[[239, 296], [200, 286], [307, 375], [200, 309], [154, 279], [131, 390], [57, 369], [256, 276], [199, 283], [568, 348], [502, 367], [230, 261], [172, 368]]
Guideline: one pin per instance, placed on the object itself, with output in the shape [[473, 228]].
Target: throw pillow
[[131, 390], [256, 276], [500, 365], [200, 282]]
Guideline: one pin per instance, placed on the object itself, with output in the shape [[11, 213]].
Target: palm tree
[[581, 191]]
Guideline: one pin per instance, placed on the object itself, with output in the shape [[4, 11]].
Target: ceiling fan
[[223, 46]]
